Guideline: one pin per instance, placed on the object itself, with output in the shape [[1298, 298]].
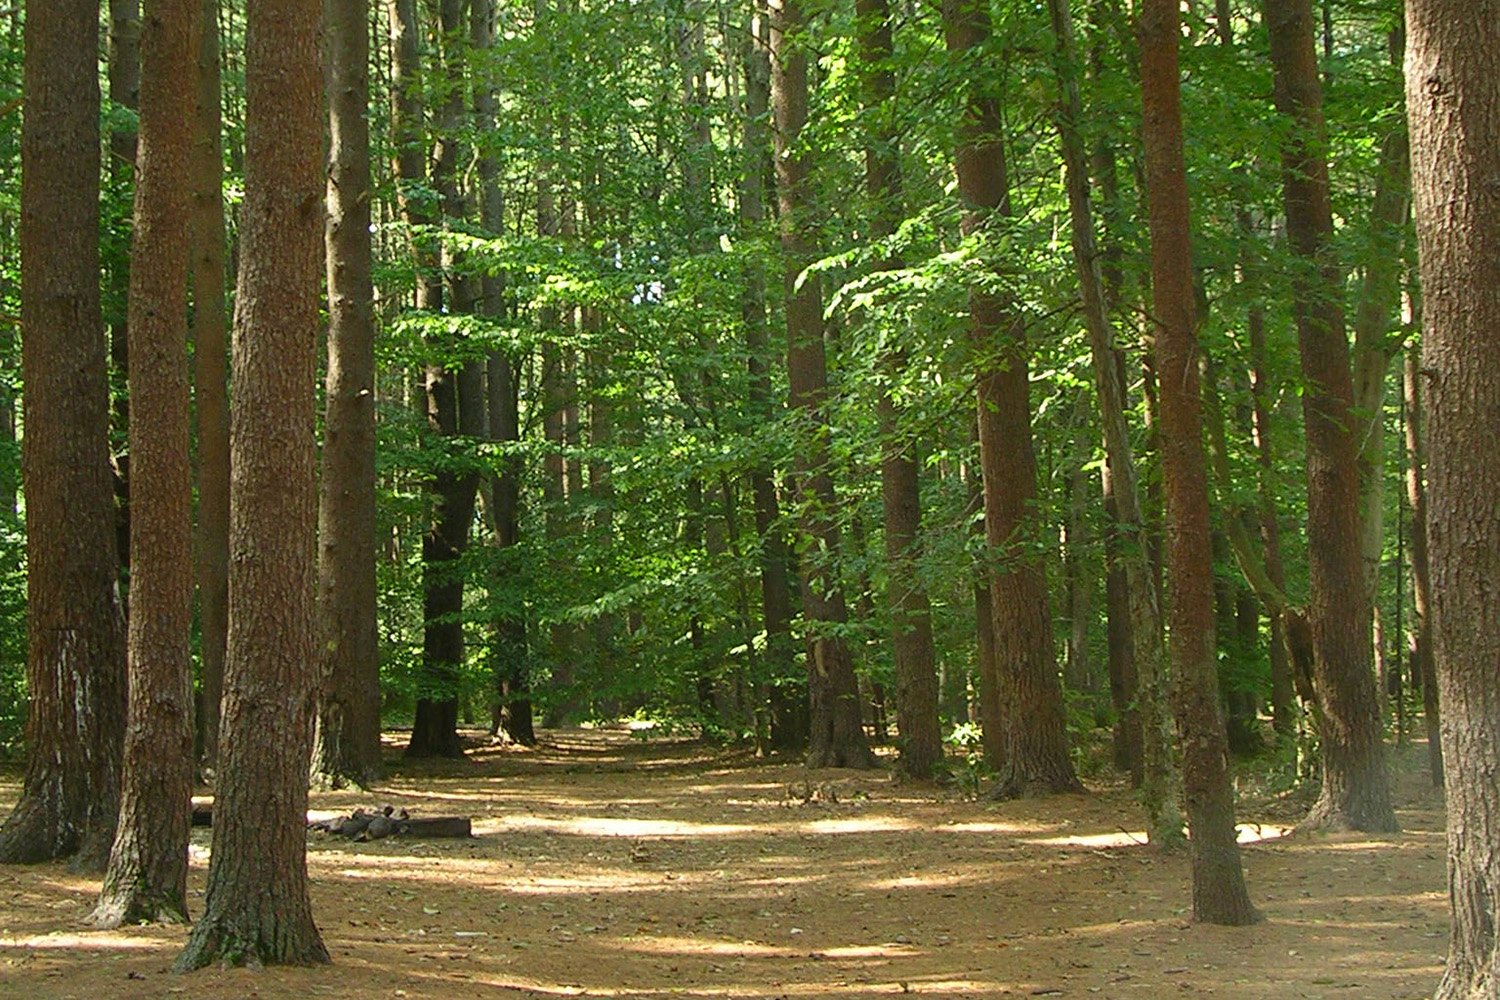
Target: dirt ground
[[609, 866]]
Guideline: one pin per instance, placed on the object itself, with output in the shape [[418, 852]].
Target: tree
[[837, 732], [1036, 752], [209, 334], [1219, 893], [901, 499], [257, 908], [75, 660], [346, 748], [1356, 787], [1453, 105], [147, 874]]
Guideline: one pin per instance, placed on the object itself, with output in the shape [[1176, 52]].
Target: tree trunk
[[1421, 574], [75, 660], [911, 614], [210, 376], [992, 715], [1219, 893], [786, 696], [837, 732], [124, 56], [1159, 780], [257, 909], [346, 745], [1036, 754], [1356, 787], [455, 405], [147, 875], [1453, 105]]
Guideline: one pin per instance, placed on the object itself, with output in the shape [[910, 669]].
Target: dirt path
[[608, 867]]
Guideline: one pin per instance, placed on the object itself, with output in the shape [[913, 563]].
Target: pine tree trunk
[[257, 909], [1219, 893], [1356, 787], [837, 732], [1036, 753], [911, 613], [346, 745], [75, 659], [1453, 105], [209, 333], [992, 715], [147, 875]]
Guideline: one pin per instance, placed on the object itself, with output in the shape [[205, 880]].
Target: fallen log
[[429, 827]]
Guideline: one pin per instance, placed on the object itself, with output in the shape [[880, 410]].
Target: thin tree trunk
[[1421, 573], [1159, 778], [1356, 787], [911, 614], [257, 909], [75, 656], [346, 746], [1453, 105], [125, 90], [837, 733], [992, 716], [209, 333], [1219, 893], [147, 875], [1036, 755]]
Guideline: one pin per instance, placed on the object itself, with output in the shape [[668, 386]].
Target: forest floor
[[610, 866]]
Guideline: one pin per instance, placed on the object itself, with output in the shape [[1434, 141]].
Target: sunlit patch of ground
[[611, 865]]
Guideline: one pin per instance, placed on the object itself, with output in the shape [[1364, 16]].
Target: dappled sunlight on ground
[[606, 865]]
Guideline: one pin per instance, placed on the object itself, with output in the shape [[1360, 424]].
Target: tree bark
[[901, 502], [1036, 753], [75, 660], [1356, 787], [346, 743], [210, 376], [837, 733], [1453, 105], [1219, 893], [147, 875], [257, 909]]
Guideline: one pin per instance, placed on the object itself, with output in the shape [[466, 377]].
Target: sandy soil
[[607, 866]]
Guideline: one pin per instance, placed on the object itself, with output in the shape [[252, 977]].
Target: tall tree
[[124, 54], [147, 874], [1219, 893], [75, 657], [210, 339], [257, 909], [1423, 667], [1453, 104], [1036, 752], [837, 730], [1159, 778], [1356, 787], [900, 488], [346, 748]]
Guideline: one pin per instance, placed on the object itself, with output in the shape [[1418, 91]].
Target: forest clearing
[[608, 866]]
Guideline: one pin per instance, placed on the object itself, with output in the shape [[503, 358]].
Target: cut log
[[430, 827]]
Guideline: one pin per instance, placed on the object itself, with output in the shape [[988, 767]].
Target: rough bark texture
[[257, 908], [911, 614], [1159, 782], [75, 659], [1453, 104], [1219, 893], [147, 875], [837, 734], [1421, 574], [1036, 753], [346, 747], [1356, 787], [210, 338]]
